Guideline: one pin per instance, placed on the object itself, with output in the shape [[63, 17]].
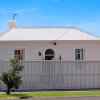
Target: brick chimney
[[11, 23]]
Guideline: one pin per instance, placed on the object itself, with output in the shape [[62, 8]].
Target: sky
[[82, 14]]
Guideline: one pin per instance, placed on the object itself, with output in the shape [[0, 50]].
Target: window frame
[[22, 53], [80, 53]]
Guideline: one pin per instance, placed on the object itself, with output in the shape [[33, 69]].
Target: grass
[[50, 93]]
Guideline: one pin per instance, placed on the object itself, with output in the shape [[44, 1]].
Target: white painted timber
[[57, 74]]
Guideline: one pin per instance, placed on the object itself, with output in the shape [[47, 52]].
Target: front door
[[49, 54]]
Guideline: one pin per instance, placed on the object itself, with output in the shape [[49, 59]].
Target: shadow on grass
[[20, 95]]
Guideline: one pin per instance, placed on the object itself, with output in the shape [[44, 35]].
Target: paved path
[[61, 98], [66, 98]]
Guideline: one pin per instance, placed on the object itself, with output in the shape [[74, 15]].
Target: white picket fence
[[57, 74]]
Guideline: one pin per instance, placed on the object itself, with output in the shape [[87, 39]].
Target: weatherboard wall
[[64, 48]]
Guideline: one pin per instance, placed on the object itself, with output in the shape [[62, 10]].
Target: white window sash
[[79, 54]]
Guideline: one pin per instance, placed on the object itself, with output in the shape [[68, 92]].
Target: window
[[20, 53], [79, 54]]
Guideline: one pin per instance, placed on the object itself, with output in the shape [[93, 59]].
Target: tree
[[12, 77]]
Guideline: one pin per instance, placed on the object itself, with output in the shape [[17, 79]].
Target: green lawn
[[50, 93]]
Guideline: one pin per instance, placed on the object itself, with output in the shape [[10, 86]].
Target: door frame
[[55, 53]]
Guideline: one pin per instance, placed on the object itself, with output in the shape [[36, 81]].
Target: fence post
[[1, 74]]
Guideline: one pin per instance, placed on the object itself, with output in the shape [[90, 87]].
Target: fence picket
[[57, 74]]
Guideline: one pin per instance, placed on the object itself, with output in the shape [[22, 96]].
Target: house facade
[[39, 50], [31, 44], [52, 53]]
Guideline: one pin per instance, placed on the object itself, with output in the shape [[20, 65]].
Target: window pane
[[78, 50], [79, 56], [15, 52], [76, 57]]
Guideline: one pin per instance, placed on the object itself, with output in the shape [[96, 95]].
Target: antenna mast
[[14, 14]]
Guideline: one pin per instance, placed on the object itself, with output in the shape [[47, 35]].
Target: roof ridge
[[2, 33], [86, 32], [66, 32], [44, 27]]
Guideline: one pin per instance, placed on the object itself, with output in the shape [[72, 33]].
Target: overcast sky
[[83, 14]]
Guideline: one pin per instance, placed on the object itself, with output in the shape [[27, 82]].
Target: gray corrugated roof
[[46, 33]]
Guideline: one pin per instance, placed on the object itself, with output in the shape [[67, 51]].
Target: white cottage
[[54, 57]]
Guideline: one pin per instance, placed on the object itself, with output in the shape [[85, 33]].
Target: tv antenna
[[14, 14]]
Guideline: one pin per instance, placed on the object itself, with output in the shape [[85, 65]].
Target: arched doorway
[[49, 54]]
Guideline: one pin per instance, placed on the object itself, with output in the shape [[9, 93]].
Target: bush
[[12, 77]]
